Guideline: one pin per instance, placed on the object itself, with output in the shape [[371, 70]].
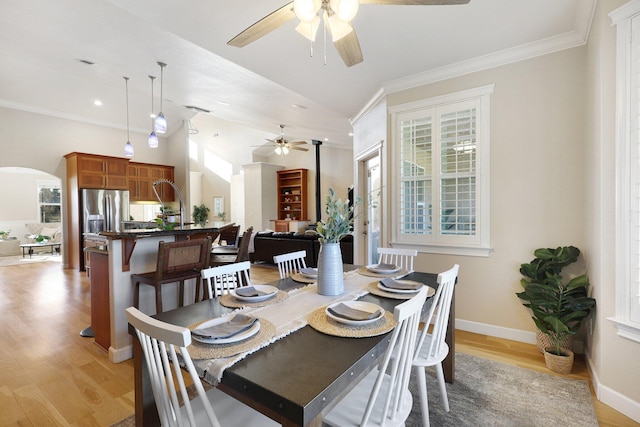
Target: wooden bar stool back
[[177, 262]]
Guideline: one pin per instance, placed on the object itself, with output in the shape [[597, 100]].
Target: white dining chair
[[399, 257], [220, 280], [382, 397], [432, 348], [290, 263], [161, 343]]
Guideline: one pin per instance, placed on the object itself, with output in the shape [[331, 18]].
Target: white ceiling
[[41, 42]]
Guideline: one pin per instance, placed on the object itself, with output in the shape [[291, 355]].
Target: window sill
[[476, 251], [626, 329]]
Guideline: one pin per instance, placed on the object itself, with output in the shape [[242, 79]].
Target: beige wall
[[614, 360]]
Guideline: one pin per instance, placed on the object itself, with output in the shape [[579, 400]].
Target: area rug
[[20, 260], [488, 393]]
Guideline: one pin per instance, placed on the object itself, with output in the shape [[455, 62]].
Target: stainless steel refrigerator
[[102, 210]]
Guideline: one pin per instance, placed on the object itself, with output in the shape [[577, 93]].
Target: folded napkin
[[249, 291], [309, 271], [239, 323], [393, 284], [346, 312], [383, 266]]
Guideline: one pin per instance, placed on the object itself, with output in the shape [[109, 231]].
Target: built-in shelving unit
[[292, 194]]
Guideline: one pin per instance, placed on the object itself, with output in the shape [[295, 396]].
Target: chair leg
[[424, 402], [181, 294], [136, 295], [443, 388], [158, 299]]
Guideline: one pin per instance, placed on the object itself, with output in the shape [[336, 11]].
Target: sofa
[[266, 244], [51, 230]]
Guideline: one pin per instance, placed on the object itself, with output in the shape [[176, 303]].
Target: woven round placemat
[[319, 321], [230, 301], [299, 277], [366, 272], [375, 290], [198, 350]]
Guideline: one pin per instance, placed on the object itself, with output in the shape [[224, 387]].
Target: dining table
[[296, 377]]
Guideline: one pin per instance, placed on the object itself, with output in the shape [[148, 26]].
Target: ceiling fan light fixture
[[345, 9], [338, 28], [309, 29], [285, 150], [305, 10], [278, 150]]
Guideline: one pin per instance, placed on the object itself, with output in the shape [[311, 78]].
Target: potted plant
[[222, 215], [4, 234], [200, 214], [558, 306], [339, 223]]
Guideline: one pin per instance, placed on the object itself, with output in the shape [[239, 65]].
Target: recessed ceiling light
[[97, 102], [299, 106], [350, 133], [326, 139]]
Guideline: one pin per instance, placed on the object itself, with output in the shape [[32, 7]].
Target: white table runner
[[287, 316]]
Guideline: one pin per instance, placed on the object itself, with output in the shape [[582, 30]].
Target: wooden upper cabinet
[[141, 177], [99, 171]]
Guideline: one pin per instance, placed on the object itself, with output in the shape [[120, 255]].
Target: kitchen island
[[136, 251]]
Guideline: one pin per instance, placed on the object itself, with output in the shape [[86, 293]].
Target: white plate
[[400, 291], [311, 273], [254, 329], [376, 269], [358, 305], [270, 292]]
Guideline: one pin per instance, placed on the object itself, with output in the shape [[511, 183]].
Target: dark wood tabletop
[[293, 379]]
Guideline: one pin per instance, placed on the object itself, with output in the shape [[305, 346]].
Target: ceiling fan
[[336, 16], [282, 146]]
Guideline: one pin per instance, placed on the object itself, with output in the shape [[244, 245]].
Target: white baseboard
[[606, 395], [121, 354]]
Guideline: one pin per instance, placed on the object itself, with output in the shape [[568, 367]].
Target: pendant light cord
[[152, 78], [126, 86]]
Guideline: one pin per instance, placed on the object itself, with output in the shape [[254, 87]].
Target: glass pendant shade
[[153, 140], [285, 150], [346, 10], [160, 123], [128, 149], [278, 150], [309, 29], [305, 10]]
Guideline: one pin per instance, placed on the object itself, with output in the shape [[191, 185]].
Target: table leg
[[448, 365]]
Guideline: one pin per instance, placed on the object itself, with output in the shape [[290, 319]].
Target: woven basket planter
[[543, 341], [559, 364]]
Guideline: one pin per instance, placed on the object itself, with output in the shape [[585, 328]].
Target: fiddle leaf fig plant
[[558, 306]]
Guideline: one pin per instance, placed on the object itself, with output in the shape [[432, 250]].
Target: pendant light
[[153, 138], [160, 123], [128, 147]]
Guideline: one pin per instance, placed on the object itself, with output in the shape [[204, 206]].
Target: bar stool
[[177, 262]]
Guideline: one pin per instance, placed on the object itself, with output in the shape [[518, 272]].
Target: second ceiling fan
[[336, 15], [282, 146]]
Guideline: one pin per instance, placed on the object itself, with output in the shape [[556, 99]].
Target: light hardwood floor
[[51, 376]]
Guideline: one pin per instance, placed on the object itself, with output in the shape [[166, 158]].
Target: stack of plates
[[400, 286], [311, 273], [255, 293], [383, 268], [354, 313], [226, 330]]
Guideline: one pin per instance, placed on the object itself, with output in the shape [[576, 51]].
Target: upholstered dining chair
[[161, 342], [290, 263], [400, 257], [382, 397], [177, 262], [242, 255], [432, 348], [220, 280]]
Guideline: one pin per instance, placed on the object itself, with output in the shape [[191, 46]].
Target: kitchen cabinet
[[141, 177], [94, 171], [292, 194]]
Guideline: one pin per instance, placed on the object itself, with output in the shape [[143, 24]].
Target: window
[[627, 317], [49, 208], [441, 164]]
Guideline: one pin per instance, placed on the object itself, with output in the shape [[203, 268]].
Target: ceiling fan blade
[[349, 49], [264, 26], [297, 142], [298, 148], [416, 2]]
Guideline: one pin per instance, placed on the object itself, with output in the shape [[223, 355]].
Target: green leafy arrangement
[[200, 214], [340, 217], [558, 307]]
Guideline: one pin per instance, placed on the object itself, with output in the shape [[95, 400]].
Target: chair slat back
[[175, 257], [159, 341], [220, 280], [441, 307], [398, 357], [290, 263], [400, 257]]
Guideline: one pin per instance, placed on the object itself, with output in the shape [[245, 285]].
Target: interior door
[[373, 220]]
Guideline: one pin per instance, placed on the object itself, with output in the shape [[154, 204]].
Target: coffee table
[[55, 247]]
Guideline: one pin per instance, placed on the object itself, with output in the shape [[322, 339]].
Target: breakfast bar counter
[[136, 251]]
